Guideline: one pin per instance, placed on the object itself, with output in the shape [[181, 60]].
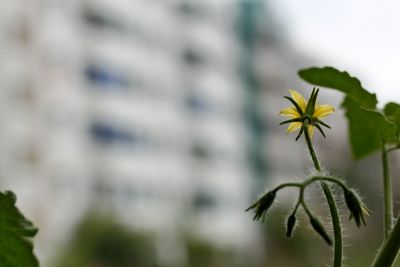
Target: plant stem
[[388, 252], [388, 195], [304, 204], [279, 187], [337, 228], [323, 178], [311, 148]]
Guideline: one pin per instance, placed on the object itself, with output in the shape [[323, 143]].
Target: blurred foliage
[[201, 253], [304, 249], [99, 241]]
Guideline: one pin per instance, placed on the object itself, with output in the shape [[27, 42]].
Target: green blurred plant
[[100, 241], [202, 253], [370, 129]]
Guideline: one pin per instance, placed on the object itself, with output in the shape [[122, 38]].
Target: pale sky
[[360, 36]]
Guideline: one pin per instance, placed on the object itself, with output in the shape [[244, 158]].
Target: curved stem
[[299, 202], [337, 228], [388, 195], [281, 186], [388, 252], [303, 203], [327, 179]]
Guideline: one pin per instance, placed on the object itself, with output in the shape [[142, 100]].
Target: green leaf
[[368, 129], [339, 80], [392, 112], [16, 250]]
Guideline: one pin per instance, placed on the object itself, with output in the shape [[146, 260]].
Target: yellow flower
[[305, 110]]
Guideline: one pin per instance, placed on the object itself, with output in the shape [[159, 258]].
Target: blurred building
[[161, 113], [141, 108]]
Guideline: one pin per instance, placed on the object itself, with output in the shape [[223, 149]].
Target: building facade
[[138, 108]]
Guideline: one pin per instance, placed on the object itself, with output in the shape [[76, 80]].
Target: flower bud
[[319, 228], [311, 103], [262, 205], [291, 223], [357, 209]]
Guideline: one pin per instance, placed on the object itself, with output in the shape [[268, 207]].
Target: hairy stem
[[304, 204], [388, 195], [310, 147], [323, 178], [337, 228], [279, 187]]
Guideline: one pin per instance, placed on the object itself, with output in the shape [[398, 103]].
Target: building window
[[98, 19], [204, 201], [200, 151], [192, 57], [193, 9], [198, 104], [106, 78], [104, 133]]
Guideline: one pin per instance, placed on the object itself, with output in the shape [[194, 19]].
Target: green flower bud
[[357, 209], [310, 108], [262, 205], [291, 223], [319, 228]]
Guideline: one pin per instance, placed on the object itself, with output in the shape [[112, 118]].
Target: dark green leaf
[[392, 112], [387, 130], [16, 250], [368, 129], [342, 81]]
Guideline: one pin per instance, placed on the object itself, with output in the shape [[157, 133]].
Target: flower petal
[[290, 112], [299, 98], [310, 130], [293, 127], [322, 111]]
